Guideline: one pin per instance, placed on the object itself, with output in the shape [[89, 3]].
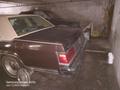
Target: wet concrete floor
[[95, 74]]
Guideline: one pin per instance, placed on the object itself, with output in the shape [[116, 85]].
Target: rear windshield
[[26, 24]]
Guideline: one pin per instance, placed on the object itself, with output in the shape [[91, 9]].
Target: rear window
[[26, 24]]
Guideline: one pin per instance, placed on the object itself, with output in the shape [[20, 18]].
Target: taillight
[[65, 58]]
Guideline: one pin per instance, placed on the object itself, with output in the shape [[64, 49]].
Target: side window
[[19, 25], [26, 24]]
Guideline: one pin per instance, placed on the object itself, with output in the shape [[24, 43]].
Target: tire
[[23, 77], [10, 65]]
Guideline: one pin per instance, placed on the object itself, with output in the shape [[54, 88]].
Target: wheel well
[[13, 54]]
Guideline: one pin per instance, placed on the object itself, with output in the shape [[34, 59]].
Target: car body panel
[[65, 36], [40, 48], [36, 54]]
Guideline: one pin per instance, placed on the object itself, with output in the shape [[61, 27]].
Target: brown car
[[30, 43]]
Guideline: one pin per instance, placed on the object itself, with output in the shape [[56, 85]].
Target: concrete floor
[[95, 73]]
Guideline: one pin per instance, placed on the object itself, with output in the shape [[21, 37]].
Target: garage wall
[[99, 12], [115, 39]]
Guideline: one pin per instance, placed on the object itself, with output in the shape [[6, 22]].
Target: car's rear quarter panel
[[41, 55]]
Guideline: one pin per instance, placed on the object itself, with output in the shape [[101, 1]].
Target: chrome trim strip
[[39, 42], [44, 70]]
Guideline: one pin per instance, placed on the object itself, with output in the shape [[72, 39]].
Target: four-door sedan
[[31, 43]]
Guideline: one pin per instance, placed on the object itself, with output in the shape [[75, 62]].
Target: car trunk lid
[[63, 35]]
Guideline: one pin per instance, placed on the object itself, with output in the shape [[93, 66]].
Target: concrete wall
[[115, 19], [96, 11], [115, 39]]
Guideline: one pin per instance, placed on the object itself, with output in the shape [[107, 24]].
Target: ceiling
[[9, 3], [15, 6], [38, 1], [17, 3]]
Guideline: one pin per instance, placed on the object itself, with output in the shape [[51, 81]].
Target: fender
[[7, 49]]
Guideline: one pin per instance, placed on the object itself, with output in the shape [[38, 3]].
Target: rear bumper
[[75, 65]]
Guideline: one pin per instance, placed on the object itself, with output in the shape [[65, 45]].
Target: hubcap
[[11, 65]]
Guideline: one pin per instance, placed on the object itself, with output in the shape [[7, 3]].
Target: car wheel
[[10, 65], [23, 77]]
